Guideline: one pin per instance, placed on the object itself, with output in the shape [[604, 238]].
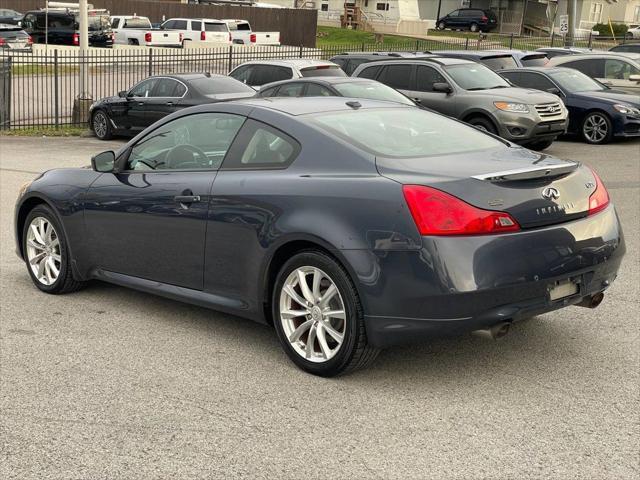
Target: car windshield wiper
[[476, 88], [498, 86]]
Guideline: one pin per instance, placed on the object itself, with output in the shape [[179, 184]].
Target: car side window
[[396, 76], [269, 73], [115, 22], [196, 26], [164, 88], [426, 77], [260, 146], [291, 90], [268, 92], [535, 81], [618, 70], [455, 13], [180, 24], [168, 25], [144, 88], [593, 68], [242, 74], [370, 72], [315, 90], [194, 142]]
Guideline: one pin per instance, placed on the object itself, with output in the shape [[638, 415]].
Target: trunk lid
[[534, 188]]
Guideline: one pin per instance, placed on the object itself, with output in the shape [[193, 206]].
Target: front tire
[[596, 128], [102, 125], [483, 124], [474, 27], [318, 316], [441, 26], [46, 252]]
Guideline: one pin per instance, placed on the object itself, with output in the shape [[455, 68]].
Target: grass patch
[[327, 36], [62, 131], [36, 69]]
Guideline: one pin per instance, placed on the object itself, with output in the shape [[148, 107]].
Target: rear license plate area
[[563, 289]]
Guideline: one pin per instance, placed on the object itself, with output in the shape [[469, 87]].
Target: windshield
[[216, 27], [534, 61], [220, 85], [575, 81], [473, 76], [372, 90], [498, 63], [403, 132], [323, 71]]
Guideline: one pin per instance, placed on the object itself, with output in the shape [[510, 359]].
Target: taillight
[[2, 41], [599, 199], [203, 36], [147, 37], [76, 39], [484, 19], [29, 40], [252, 38], [438, 213]]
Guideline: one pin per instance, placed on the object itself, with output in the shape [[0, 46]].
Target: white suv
[[200, 30]]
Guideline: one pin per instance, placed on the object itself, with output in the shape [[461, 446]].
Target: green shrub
[[619, 29]]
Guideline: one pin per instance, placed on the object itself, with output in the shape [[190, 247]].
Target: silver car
[[260, 72], [477, 95]]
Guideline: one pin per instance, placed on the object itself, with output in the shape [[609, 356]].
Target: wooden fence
[[296, 26]]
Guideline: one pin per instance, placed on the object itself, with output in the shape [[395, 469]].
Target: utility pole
[[438, 14], [84, 47], [571, 12]]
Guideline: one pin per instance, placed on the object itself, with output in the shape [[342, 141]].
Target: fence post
[[466, 43], [150, 62], [301, 51], [417, 45], [590, 37], [511, 41], [56, 106], [8, 92], [363, 46], [553, 37], [230, 58]]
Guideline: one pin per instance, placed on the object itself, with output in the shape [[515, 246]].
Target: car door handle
[[141, 103], [186, 198], [169, 103]]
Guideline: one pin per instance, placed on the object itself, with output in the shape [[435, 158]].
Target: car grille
[[549, 109]]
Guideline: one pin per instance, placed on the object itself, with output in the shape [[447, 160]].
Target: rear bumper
[[453, 285]]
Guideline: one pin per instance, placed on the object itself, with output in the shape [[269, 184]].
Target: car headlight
[[627, 109], [512, 107]]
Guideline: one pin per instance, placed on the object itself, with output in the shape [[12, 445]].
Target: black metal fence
[[39, 88]]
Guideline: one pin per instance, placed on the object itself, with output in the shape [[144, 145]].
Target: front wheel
[[474, 27], [596, 128], [483, 124], [441, 26], [102, 126], [318, 316], [46, 252]]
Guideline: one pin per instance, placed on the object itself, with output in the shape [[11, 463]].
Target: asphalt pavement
[[109, 383]]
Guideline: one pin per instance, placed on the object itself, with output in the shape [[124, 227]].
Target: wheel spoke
[[322, 341], [56, 257], [36, 234], [47, 272], [35, 244], [37, 258], [293, 295], [41, 266], [288, 314], [52, 268], [335, 314], [304, 287], [297, 333], [328, 295], [55, 243], [337, 336], [311, 340], [317, 278]]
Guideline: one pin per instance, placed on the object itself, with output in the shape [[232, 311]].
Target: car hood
[[611, 96], [520, 95]]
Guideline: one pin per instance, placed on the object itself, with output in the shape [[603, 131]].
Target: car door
[[422, 91], [454, 19], [398, 76], [617, 73], [165, 99], [263, 74], [243, 74], [149, 220], [139, 97]]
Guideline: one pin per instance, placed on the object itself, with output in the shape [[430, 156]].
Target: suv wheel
[[596, 128], [474, 27], [318, 316], [483, 124]]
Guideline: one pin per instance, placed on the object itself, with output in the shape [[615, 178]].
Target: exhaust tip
[[593, 301], [494, 332]]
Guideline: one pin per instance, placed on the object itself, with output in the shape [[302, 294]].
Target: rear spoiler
[[529, 173]]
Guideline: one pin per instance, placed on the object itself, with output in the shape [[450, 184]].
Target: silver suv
[[477, 95]]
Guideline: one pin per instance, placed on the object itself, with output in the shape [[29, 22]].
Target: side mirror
[[634, 78], [442, 87], [104, 162], [554, 90], [122, 94]]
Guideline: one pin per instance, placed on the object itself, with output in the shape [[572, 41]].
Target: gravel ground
[[112, 383]]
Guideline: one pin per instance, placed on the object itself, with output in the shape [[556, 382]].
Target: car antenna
[[354, 104]]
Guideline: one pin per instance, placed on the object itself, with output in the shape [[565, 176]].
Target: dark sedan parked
[[596, 113], [10, 17], [155, 97], [349, 225], [334, 87]]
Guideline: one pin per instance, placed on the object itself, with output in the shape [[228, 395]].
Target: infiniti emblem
[[551, 193]]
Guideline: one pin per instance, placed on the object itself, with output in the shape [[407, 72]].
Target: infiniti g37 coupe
[[349, 225]]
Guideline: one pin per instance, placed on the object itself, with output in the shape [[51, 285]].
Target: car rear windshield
[[498, 63], [219, 85], [404, 132], [372, 90], [215, 27], [534, 60], [473, 76], [575, 81], [323, 71]]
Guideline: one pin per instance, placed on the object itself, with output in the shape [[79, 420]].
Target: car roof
[[543, 70], [473, 53], [195, 19], [296, 106], [417, 61], [625, 55], [325, 80], [185, 77], [294, 62]]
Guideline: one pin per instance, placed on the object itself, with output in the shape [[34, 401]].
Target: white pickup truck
[[242, 34], [134, 30]]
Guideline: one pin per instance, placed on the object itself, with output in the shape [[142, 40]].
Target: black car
[[15, 39], [61, 27], [348, 224], [626, 47], [334, 87], [473, 19], [349, 61], [596, 113], [155, 97], [10, 17]]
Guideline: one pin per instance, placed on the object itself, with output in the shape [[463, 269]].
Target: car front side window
[[618, 70], [143, 89], [194, 142]]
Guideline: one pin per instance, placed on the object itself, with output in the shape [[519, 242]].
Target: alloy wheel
[[43, 251], [100, 124], [595, 128], [312, 314]]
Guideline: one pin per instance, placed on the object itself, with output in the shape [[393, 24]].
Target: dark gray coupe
[[349, 225]]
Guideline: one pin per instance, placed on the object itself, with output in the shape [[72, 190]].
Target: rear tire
[[596, 128], [483, 124], [102, 125], [46, 252], [474, 27], [325, 309]]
